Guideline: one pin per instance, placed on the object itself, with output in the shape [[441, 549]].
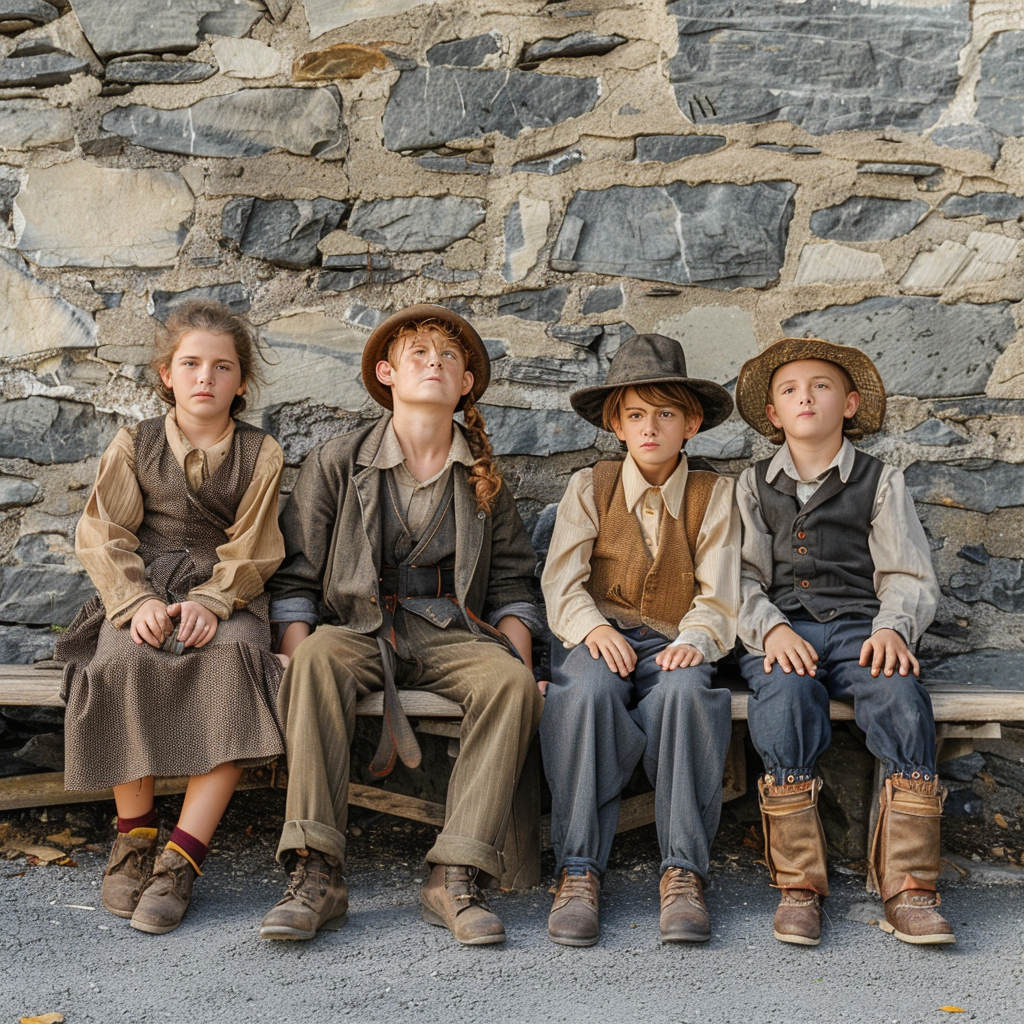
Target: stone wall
[[566, 174]]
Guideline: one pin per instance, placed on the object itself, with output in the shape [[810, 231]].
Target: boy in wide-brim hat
[[642, 589], [837, 584], [406, 554]]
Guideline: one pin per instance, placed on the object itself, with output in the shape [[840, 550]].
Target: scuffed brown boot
[[684, 917], [798, 917], [316, 897], [912, 917], [573, 920], [128, 869], [451, 900], [166, 895]]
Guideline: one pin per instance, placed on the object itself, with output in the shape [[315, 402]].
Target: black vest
[[822, 563]]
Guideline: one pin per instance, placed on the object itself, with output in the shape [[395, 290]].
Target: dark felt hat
[[652, 359], [755, 378], [478, 362]]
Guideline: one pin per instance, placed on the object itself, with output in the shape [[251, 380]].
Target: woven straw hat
[[478, 362], [652, 359], [754, 381]]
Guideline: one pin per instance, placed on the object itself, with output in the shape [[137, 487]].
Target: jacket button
[[373, 600], [801, 551], [480, 515], [805, 584], [801, 535]]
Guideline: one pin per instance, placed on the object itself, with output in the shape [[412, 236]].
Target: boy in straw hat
[[837, 583], [405, 551], [642, 588]]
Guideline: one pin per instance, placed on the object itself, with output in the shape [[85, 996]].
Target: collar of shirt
[[391, 456], [672, 490], [197, 463], [783, 463]]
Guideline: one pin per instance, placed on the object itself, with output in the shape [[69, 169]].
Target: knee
[[319, 666], [584, 683]]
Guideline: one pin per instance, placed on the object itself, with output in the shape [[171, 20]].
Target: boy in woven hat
[[837, 584], [405, 551], [642, 588]]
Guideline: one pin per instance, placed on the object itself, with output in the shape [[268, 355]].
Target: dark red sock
[[189, 845], [143, 821]]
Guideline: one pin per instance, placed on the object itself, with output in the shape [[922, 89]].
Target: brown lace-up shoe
[[684, 918], [316, 897], [166, 895], [798, 917], [128, 869], [573, 920], [452, 900], [912, 917]]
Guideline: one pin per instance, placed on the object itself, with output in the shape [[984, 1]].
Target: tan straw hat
[[754, 381], [478, 362]]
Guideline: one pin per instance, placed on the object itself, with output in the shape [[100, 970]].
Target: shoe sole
[[797, 940], [125, 914], [935, 939], [567, 941], [281, 932], [687, 937], [483, 940], [153, 929]]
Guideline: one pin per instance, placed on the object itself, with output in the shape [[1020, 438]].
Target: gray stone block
[[41, 69], [999, 582], [429, 107], [920, 346], [993, 206], [579, 44], [464, 53], [543, 304], [969, 136], [963, 769], [346, 280], [980, 485], [249, 122], [38, 595], [16, 491], [825, 65], [457, 163], [45, 750], [356, 261], [601, 300], [935, 433], [773, 147], [536, 431], [668, 148], [49, 430], [417, 223], [36, 11], [900, 169], [284, 231], [28, 124], [1000, 89], [868, 219], [581, 335], [544, 371], [556, 163], [723, 236], [1002, 669], [23, 645], [160, 72], [542, 529], [439, 272], [233, 295]]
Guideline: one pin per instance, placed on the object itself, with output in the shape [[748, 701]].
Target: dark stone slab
[[601, 300], [920, 346], [963, 769], [284, 231], [45, 750], [430, 106], [439, 272], [417, 223], [464, 53], [536, 431], [990, 667], [48, 430], [993, 206], [346, 280], [848, 795], [556, 163], [773, 147], [547, 372], [232, 295], [579, 44], [971, 407], [24, 645], [15, 492], [969, 136], [458, 163], [975, 554], [356, 261], [54, 68], [936, 433], [723, 236], [35, 11], [543, 304], [40, 595], [668, 148], [581, 335], [825, 65], [905, 170], [1000, 583], [162, 72], [868, 219], [980, 485], [249, 122], [542, 529], [1000, 90]]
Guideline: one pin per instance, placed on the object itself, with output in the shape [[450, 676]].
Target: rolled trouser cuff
[[312, 835], [459, 850]]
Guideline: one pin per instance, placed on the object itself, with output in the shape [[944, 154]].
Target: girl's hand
[[679, 656], [151, 623], [198, 624]]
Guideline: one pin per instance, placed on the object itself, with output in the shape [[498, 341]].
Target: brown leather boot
[[316, 897], [573, 920], [905, 860], [166, 895], [128, 869], [684, 917], [794, 847], [451, 900]]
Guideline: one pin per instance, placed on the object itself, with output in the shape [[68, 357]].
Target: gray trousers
[[596, 728], [334, 666]]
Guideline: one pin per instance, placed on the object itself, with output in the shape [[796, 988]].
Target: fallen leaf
[[1000, 820], [44, 1018], [997, 851], [66, 862], [952, 1009], [65, 838], [42, 853]]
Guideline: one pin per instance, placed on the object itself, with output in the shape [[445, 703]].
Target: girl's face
[[426, 368], [204, 374]]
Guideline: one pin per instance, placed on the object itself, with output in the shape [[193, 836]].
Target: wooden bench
[[963, 712]]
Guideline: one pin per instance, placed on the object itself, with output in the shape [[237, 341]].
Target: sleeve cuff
[[704, 642], [294, 609], [530, 614]]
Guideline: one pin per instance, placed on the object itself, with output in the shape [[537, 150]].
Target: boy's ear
[[692, 426], [616, 421], [852, 405], [383, 371], [773, 416]]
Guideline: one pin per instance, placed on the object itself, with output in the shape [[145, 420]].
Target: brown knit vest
[[629, 585]]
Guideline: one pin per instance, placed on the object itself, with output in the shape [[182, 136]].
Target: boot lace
[[683, 883], [577, 887]]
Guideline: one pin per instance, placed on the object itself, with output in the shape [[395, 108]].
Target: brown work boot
[[166, 895], [316, 897], [573, 920], [912, 916], [684, 918], [128, 869], [798, 917], [452, 900]]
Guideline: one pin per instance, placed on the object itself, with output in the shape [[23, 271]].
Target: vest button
[[805, 584], [480, 515], [801, 551], [373, 600], [801, 535]]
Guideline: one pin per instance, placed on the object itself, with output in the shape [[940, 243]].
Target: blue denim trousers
[[597, 726], [788, 714]]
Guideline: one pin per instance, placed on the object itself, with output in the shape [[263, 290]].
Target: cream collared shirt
[[710, 623], [904, 578]]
